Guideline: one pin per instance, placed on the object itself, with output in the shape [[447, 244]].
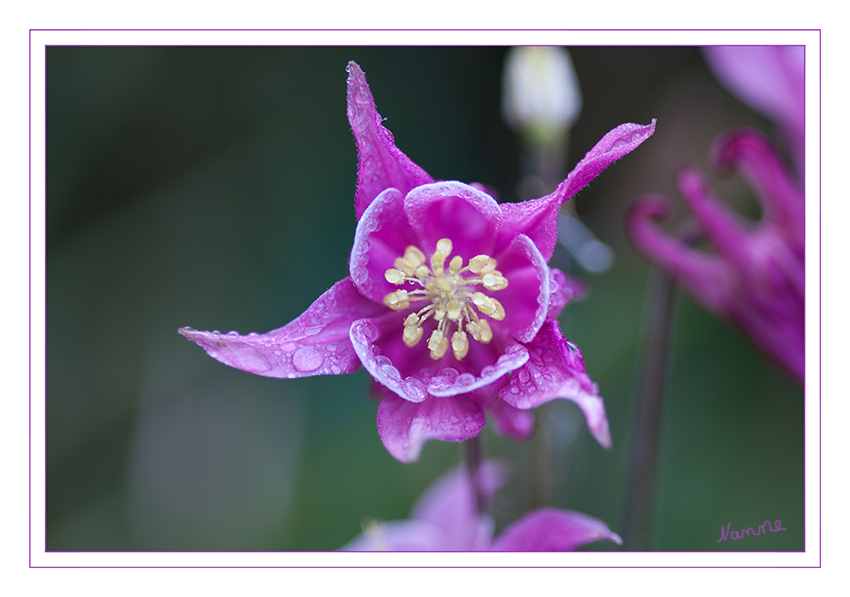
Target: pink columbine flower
[[445, 519], [755, 277], [771, 80], [449, 305]]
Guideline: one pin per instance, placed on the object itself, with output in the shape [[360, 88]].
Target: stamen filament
[[450, 298]]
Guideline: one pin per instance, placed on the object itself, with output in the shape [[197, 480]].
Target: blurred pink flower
[[445, 519], [448, 293], [755, 277], [771, 80]]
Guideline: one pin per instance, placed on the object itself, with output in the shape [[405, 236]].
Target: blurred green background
[[213, 188]]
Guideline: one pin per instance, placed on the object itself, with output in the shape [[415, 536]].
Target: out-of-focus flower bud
[[541, 98]]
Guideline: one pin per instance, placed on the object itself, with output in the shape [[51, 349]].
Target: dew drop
[[360, 274], [232, 333], [466, 379], [307, 358]]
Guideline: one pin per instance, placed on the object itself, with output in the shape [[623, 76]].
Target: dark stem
[[474, 450], [649, 407]]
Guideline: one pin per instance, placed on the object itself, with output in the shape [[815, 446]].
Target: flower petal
[[704, 276], [412, 374], [399, 535], [769, 79], [538, 218], [781, 200], [526, 299], [721, 226], [387, 329], [491, 361], [555, 369], [508, 420], [454, 210], [380, 163], [548, 529], [562, 290], [315, 343], [405, 426], [381, 236], [449, 503]]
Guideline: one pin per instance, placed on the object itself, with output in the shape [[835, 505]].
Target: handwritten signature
[[746, 532]]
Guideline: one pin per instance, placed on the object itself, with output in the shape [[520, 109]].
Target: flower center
[[451, 297]]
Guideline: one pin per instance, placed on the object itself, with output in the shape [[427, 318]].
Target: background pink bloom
[[755, 277], [445, 519], [771, 80], [433, 393]]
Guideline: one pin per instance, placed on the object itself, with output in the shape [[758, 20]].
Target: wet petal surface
[[315, 343]]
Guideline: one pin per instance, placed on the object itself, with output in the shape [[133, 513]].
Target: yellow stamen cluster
[[449, 295]]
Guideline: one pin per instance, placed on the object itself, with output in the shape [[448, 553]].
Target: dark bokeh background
[[213, 187]]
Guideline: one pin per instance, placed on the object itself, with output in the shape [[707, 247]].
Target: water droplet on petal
[[307, 358]]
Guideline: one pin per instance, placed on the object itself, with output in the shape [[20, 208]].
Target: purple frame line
[[435, 30], [29, 320], [29, 304]]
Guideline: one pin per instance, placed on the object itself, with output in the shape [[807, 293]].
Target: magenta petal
[[781, 200], [364, 335], [509, 420], [449, 504], [562, 290], [405, 426], [399, 535], [538, 218], [548, 529], [491, 361], [704, 275], [315, 343], [722, 227], [769, 79], [457, 211], [555, 369], [526, 299], [381, 236], [412, 374], [381, 164]]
